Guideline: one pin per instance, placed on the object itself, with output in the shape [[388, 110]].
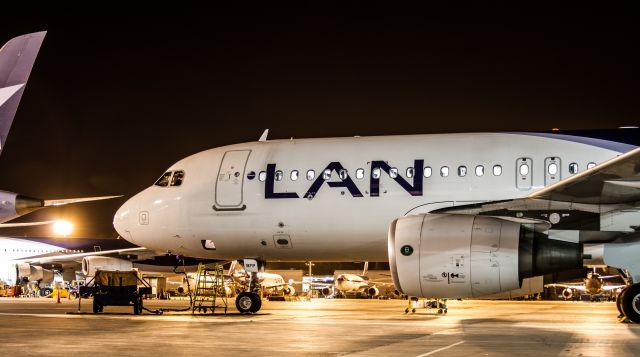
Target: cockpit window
[[163, 181], [178, 177]]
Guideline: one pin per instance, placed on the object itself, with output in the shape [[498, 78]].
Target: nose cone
[[122, 221]]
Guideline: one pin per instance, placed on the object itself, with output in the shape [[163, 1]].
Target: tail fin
[[16, 60]]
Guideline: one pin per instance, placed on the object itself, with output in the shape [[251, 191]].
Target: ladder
[[209, 289]]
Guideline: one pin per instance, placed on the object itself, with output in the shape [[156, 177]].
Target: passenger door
[[230, 180], [552, 170]]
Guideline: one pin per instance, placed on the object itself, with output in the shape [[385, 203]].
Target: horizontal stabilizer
[[66, 201]]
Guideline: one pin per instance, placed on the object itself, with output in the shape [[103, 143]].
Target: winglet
[[16, 61], [263, 137]]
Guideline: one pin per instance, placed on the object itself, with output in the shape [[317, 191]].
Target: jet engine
[[373, 291], [567, 293], [35, 273], [289, 290], [326, 291], [91, 264], [13, 205], [462, 256]]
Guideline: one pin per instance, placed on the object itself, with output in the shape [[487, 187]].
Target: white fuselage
[[237, 216], [12, 249]]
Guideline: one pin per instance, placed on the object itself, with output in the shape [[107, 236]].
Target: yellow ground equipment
[[209, 289]]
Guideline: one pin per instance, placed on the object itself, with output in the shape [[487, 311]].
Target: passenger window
[[552, 169], [360, 174], [163, 181], [178, 177], [262, 176], [573, 168], [326, 174], [462, 171], [444, 171], [591, 165], [427, 171], [479, 170], [294, 175], [343, 174], [311, 175], [279, 175], [393, 172], [410, 172], [497, 170], [375, 173], [524, 169]]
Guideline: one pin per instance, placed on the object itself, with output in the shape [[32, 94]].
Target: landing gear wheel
[[247, 302], [257, 303], [619, 301], [631, 303], [406, 311], [413, 311]]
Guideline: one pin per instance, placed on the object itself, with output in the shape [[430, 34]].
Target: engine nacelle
[[326, 291], [13, 205], [35, 273], [91, 264], [289, 290], [462, 256], [567, 293], [373, 291]]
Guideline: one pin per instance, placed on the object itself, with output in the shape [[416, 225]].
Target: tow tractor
[[438, 305], [116, 288]]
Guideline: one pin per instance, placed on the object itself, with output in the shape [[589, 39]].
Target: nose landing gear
[[248, 302]]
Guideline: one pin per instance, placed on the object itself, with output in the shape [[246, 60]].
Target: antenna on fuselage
[[263, 137]]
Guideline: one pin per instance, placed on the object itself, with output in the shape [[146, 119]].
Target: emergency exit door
[[230, 180], [551, 170], [524, 175]]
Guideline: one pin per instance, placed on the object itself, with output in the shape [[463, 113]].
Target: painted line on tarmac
[[441, 349]]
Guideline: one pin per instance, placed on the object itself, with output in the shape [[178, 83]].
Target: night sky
[[116, 97]]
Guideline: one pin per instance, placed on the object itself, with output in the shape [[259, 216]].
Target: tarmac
[[322, 327]]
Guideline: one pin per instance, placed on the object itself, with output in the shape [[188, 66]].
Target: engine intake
[[91, 264], [462, 256]]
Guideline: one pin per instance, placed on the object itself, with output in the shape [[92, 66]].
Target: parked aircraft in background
[[593, 284], [16, 61]]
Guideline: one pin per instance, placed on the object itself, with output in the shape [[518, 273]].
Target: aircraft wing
[[613, 182], [565, 286], [26, 224], [611, 186], [66, 201], [76, 257], [613, 287]]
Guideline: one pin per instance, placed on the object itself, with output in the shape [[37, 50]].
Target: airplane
[[269, 283], [593, 284], [17, 57], [349, 283], [456, 215]]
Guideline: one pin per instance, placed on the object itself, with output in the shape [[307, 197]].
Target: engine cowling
[[35, 273], [91, 264], [289, 290], [373, 291], [326, 291], [567, 293], [462, 256]]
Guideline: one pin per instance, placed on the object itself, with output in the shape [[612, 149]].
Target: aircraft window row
[[170, 178], [44, 250], [574, 168], [377, 172]]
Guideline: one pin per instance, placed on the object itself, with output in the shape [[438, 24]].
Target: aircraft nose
[[122, 221]]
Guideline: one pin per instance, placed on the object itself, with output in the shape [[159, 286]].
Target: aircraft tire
[[619, 300], [631, 303], [246, 302], [257, 303]]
